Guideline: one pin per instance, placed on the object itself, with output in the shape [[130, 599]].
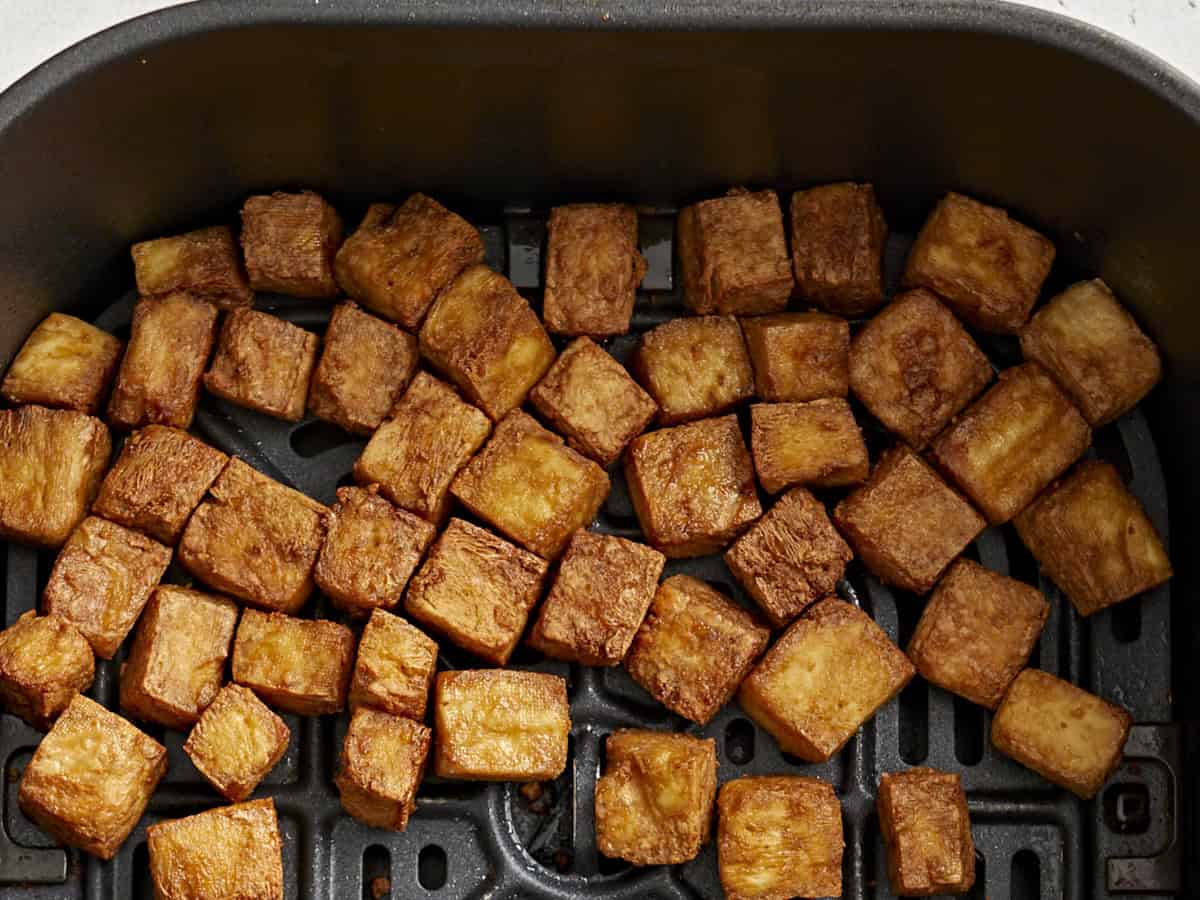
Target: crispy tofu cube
[[830, 672], [1062, 732], [289, 241], [1094, 349], [237, 742], [477, 590], [733, 255], [655, 797], [1012, 442], [202, 263], [395, 666], [694, 648], [500, 725], [694, 367], [798, 356], [101, 581], [1092, 537], [603, 589], [692, 486], [531, 486], [589, 397], [988, 267], [817, 443], [64, 363], [263, 363], [44, 662], [256, 539], [90, 778], [482, 334], [399, 259], [779, 836], [927, 831], [297, 665], [838, 235], [593, 269], [905, 523], [51, 463], [381, 766]]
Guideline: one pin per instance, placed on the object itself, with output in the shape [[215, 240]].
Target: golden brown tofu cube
[[90, 778], [532, 487], [237, 742], [399, 259], [692, 486], [988, 267], [297, 665], [694, 367], [1012, 442], [263, 363], [798, 356], [65, 363], [1092, 537], [590, 398], [927, 831], [655, 797], [44, 662], [101, 581], [593, 269], [778, 837], [905, 523], [500, 725], [202, 263], [830, 672], [476, 589], [177, 661], [1094, 349], [694, 648], [51, 463], [381, 766], [733, 255], [395, 666], [256, 539], [289, 241], [603, 588], [1062, 732], [817, 443], [482, 334]]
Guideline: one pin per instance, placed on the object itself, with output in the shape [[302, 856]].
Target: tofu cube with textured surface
[[237, 742], [927, 832], [263, 363], [289, 242], [798, 356], [44, 662], [90, 778], [381, 766], [394, 668], [65, 363], [838, 236], [300, 666], [817, 443], [202, 263], [694, 367]]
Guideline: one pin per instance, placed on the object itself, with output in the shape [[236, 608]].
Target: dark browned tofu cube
[[202, 263], [477, 590], [694, 367], [1092, 537], [1012, 442], [289, 241], [484, 337], [838, 235], [798, 356], [90, 778], [927, 831], [263, 363], [830, 672], [44, 662], [395, 666], [65, 363], [297, 665], [1062, 732], [692, 486], [733, 255], [988, 267], [905, 523], [381, 766], [817, 443], [237, 742]]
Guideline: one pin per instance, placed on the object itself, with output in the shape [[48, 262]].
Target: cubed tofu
[[692, 486], [1062, 732], [381, 766], [593, 269], [988, 267], [500, 725], [202, 263], [531, 486], [51, 464], [177, 661], [289, 241], [237, 742], [654, 799], [604, 587], [400, 258], [1012, 442], [1094, 349], [263, 363], [1092, 537], [102, 579], [817, 443], [589, 397], [90, 778], [65, 363], [300, 666], [694, 648], [256, 539], [484, 337], [798, 356], [829, 672], [477, 590], [394, 668], [906, 523], [778, 837], [927, 832], [694, 367], [44, 662], [733, 255]]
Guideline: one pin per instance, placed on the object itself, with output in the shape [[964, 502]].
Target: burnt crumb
[[532, 791], [563, 860], [381, 887]]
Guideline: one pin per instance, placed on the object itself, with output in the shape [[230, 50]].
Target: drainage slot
[[1026, 877], [431, 867], [376, 873], [914, 722], [739, 742], [317, 437], [142, 887], [1126, 622], [1127, 808], [979, 891], [968, 732]]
